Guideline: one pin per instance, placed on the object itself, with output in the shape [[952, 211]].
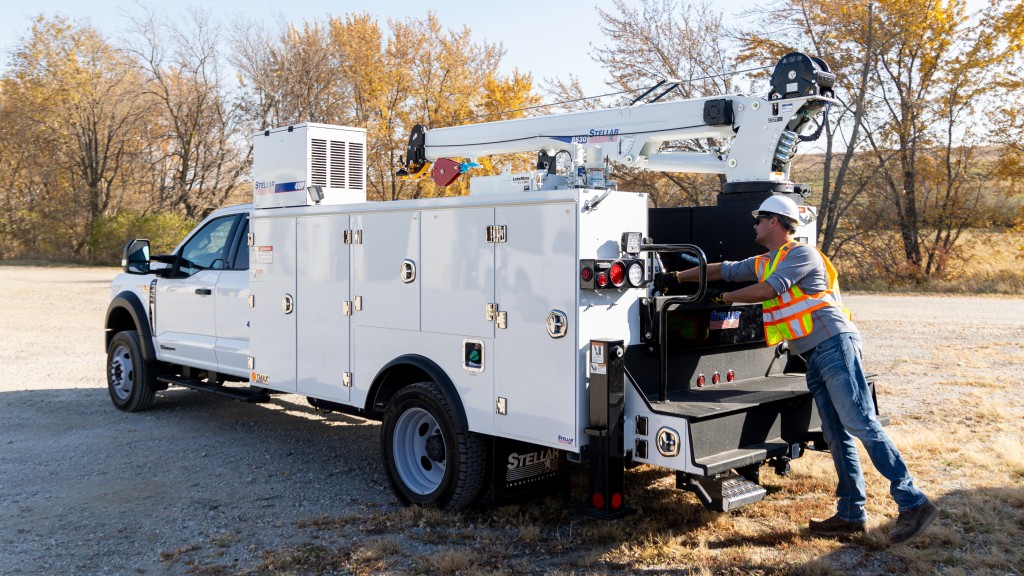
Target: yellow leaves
[[504, 98]]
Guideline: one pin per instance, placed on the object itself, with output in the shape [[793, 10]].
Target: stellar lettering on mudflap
[[522, 466]]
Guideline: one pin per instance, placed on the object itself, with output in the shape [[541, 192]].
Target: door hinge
[[251, 239], [250, 363], [499, 317], [496, 234], [252, 300], [346, 308], [353, 236], [357, 303], [346, 379]]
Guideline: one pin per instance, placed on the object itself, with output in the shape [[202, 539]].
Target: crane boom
[[764, 132]]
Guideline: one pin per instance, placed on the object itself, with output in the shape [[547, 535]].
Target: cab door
[[185, 310]]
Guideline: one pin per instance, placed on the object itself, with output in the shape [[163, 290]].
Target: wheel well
[[126, 312], [407, 370], [118, 320]]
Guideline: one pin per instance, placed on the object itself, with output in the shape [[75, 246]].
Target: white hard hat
[[779, 205]]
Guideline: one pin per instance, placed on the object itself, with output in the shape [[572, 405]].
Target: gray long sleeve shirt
[[803, 267]]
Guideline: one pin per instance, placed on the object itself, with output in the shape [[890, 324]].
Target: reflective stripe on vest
[[788, 315]]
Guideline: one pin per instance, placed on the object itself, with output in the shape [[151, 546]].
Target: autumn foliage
[[145, 135]]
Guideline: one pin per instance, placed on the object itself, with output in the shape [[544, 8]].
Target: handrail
[[702, 285]]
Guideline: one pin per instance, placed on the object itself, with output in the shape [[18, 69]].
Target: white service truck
[[499, 335]]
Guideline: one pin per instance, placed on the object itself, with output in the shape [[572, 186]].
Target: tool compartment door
[[322, 347], [535, 373], [386, 240], [272, 269], [457, 272]]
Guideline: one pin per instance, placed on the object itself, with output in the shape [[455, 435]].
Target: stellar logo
[[545, 458]]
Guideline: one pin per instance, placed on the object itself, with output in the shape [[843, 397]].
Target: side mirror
[[135, 258]]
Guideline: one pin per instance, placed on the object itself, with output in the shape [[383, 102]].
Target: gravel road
[[86, 489]]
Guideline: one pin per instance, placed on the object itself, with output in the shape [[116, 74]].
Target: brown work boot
[[911, 523], [836, 526]]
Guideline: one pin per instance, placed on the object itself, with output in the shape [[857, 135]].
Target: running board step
[[722, 494], [247, 394]]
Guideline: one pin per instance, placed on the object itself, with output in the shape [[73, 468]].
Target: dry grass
[[971, 462], [986, 262]]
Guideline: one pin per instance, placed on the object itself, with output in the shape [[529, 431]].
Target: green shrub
[[109, 234]]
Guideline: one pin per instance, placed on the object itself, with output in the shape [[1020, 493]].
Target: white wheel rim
[[419, 451], [121, 372]]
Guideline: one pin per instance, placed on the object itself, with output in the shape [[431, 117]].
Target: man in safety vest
[[799, 292]]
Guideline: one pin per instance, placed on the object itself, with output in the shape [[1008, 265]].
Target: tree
[[914, 84], [78, 99], [348, 70], [844, 34], [194, 156]]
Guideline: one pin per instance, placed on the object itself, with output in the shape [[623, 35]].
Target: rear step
[[247, 394], [722, 494]]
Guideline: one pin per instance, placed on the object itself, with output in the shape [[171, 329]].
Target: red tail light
[[617, 273]]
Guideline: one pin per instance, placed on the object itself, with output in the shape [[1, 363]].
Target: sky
[[551, 38], [548, 38]]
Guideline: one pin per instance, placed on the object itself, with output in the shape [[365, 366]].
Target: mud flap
[[523, 472]]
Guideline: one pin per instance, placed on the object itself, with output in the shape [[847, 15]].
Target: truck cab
[[196, 315]]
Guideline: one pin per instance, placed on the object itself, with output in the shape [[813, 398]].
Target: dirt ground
[[86, 489]]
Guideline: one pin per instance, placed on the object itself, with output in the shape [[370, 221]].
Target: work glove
[[715, 296], [666, 283]]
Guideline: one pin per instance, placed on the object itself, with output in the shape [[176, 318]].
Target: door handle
[[204, 291], [408, 271]]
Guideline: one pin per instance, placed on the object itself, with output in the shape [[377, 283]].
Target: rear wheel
[[131, 380], [428, 462]]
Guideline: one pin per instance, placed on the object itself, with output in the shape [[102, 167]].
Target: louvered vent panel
[[337, 164], [318, 162], [356, 163]]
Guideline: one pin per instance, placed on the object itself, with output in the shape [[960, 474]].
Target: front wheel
[[428, 462], [131, 380]]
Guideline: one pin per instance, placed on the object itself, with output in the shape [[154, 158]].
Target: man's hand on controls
[[715, 296], [667, 283]]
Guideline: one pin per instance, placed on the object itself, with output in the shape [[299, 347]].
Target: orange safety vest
[[788, 315]]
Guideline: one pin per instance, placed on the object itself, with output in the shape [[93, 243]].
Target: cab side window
[[208, 249]]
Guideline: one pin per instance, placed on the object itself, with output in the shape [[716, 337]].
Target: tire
[[426, 460], [131, 380]]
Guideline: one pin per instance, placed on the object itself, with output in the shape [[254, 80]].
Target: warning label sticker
[[264, 254]]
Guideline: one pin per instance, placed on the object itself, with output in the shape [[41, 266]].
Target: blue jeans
[[836, 380]]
